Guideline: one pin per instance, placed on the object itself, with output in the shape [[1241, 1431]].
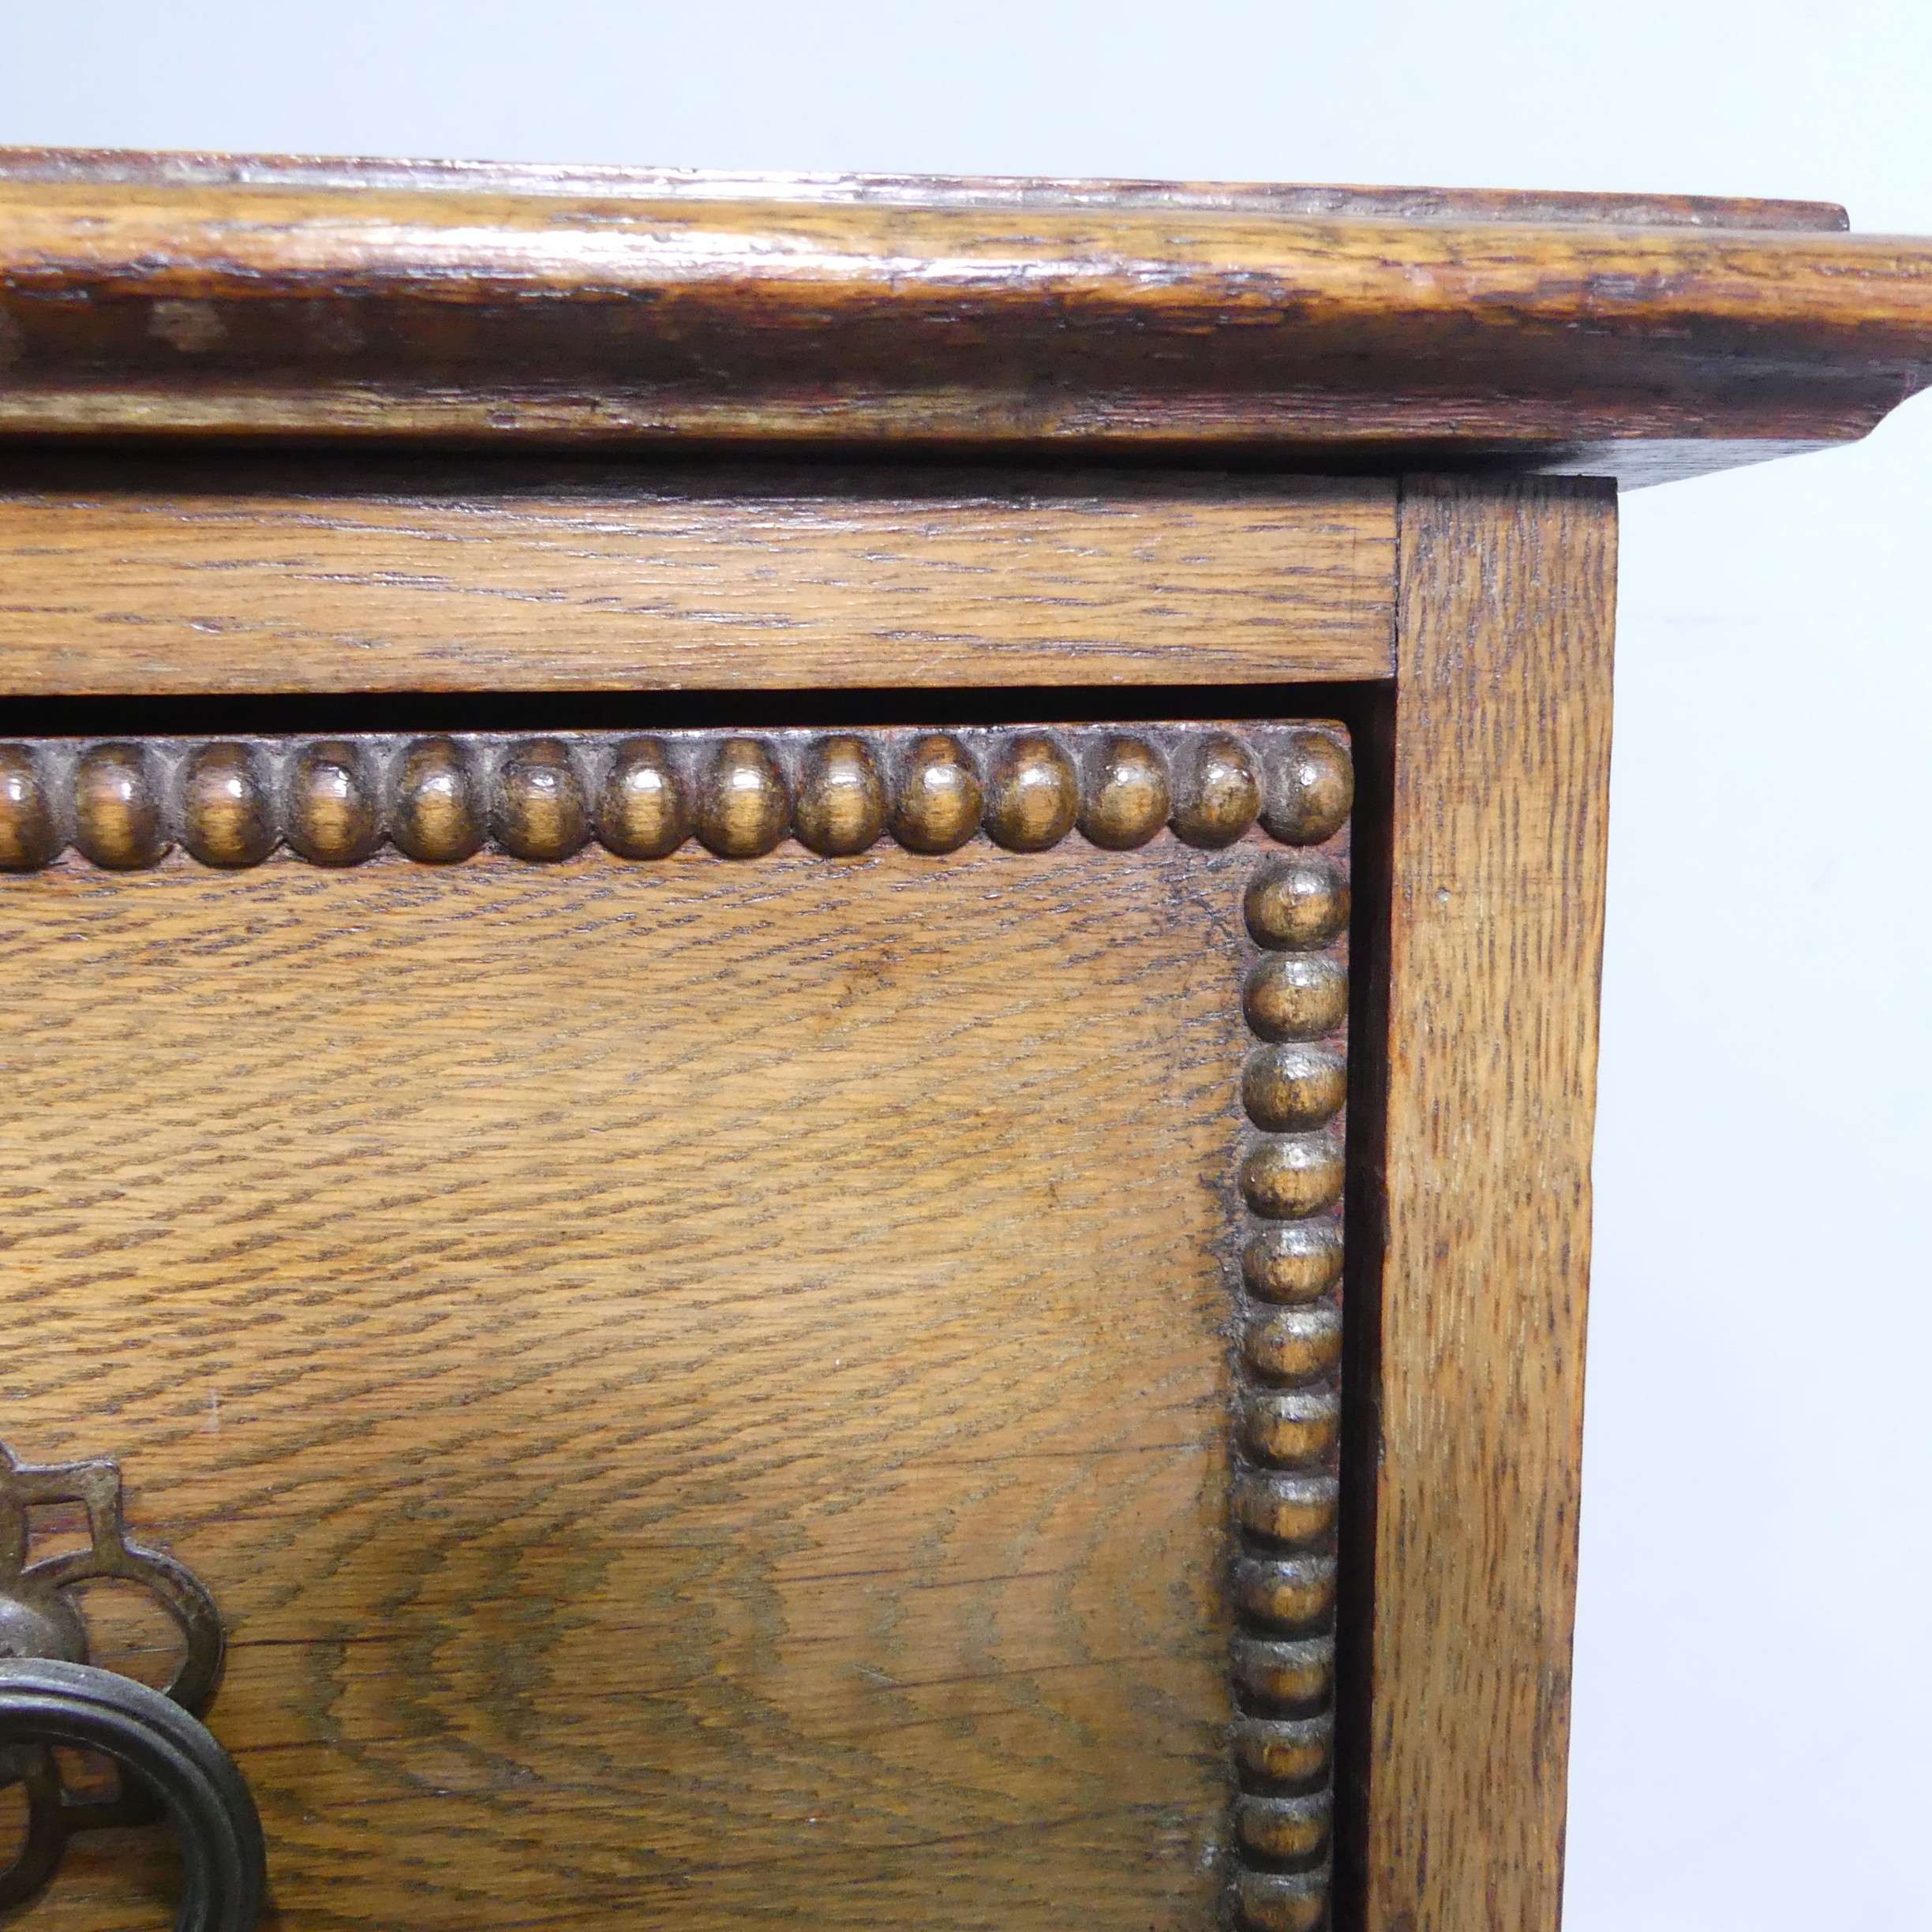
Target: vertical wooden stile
[[1501, 758]]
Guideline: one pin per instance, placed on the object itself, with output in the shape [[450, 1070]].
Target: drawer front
[[740, 1327]]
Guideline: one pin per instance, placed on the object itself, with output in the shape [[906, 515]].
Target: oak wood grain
[[139, 579], [1501, 752], [133, 304], [695, 1384]]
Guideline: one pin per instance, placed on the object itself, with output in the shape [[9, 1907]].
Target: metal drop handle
[[51, 1697], [44, 1701]]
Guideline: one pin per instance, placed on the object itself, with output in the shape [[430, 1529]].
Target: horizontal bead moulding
[[126, 804]]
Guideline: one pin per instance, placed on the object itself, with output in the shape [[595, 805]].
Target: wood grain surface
[[1501, 753], [255, 306], [696, 1385], [140, 578]]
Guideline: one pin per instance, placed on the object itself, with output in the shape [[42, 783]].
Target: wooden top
[[1337, 328]]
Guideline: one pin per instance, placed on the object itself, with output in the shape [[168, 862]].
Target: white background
[[1753, 1682]]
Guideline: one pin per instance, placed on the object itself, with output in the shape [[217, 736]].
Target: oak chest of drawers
[[798, 995]]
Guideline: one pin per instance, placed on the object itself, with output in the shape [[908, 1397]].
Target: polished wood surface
[[134, 578], [1501, 760], [137, 168], [697, 1384], [143, 304]]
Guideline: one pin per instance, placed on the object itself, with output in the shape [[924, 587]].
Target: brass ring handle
[[45, 1701]]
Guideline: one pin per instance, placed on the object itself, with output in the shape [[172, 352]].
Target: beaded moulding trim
[[1284, 1491], [125, 804]]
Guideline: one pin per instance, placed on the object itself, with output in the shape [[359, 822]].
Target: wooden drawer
[[694, 1375]]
